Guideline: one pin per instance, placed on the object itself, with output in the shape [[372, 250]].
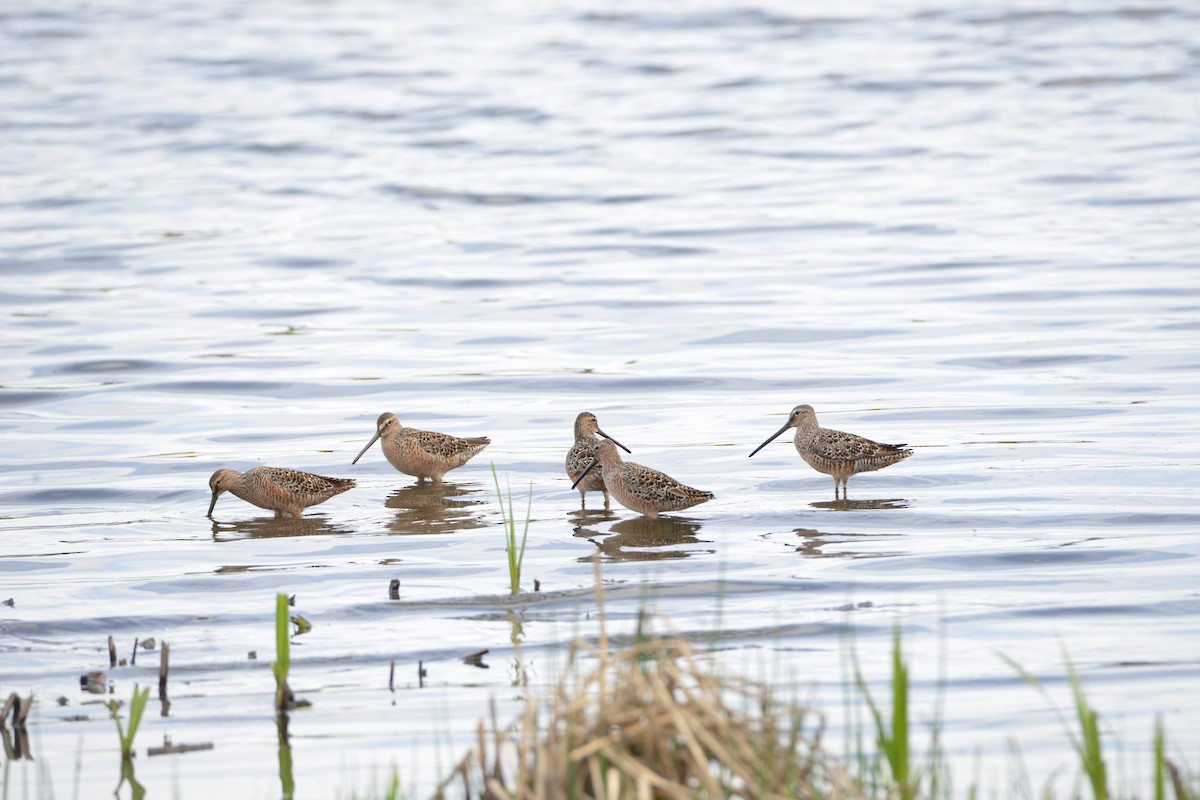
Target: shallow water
[[234, 234]]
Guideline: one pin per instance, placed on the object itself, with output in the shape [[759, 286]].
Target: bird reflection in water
[[434, 508], [592, 516], [811, 542], [860, 505], [271, 527], [638, 539]]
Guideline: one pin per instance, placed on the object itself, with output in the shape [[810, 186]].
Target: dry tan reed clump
[[651, 720]]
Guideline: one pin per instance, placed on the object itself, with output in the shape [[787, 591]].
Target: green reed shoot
[[516, 555], [393, 790], [283, 656], [1091, 753], [1160, 760], [892, 740], [137, 706], [1184, 785], [1087, 744]]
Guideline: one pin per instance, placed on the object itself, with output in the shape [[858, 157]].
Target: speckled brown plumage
[[287, 492], [424, 454], [836, 453], [583, 453], [641, 489]]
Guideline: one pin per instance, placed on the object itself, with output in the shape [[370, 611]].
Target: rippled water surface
[[234, 234]]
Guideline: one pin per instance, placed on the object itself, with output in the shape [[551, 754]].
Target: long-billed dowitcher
[[583, 453], [834, 452], [287, 492], [641, 489], [425, 454]]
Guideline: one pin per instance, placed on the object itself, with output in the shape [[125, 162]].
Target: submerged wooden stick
[[169, 749]]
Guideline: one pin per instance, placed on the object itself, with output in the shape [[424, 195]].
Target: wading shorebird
[[835, 453], [583, 453], [641, 489], [287, 492], [425, 454]]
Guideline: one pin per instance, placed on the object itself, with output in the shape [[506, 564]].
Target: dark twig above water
[[164, 667]]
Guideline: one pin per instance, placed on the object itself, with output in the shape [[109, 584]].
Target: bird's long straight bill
[[614, 441], [772, 438], [586, 471], [212, 505], [365, 449]]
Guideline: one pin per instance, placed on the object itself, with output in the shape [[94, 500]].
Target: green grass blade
[[1091, 753], [893, 743], [393, 792], [1160, 759], [882, 739], [899, 751], [283, 655], [514, 567], [525, 534], [113, 707], [137, 707], [939, 777], [874, 709], [1086, 742], [514, 554], [507, 523], [1035, 683]]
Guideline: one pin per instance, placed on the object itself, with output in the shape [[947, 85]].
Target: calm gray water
[[233, 234]]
